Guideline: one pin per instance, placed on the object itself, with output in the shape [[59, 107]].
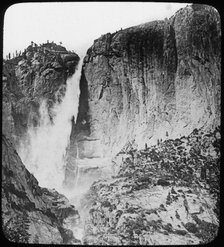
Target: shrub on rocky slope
[[164, 194]]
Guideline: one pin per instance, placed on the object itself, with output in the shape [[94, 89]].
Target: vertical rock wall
[[150, 81]]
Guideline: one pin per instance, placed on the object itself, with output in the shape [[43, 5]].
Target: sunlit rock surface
[[149, 81], [31, 214], [165, 194]]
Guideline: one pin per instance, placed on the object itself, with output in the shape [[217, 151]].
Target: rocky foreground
[[165, 194], [31, 214]]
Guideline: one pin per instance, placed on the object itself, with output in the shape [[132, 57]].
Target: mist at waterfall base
[[43, 152]]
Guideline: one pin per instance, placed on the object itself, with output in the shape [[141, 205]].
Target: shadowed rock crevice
[[82, 123], [80, 131]]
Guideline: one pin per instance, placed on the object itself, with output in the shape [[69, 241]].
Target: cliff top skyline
[[76, 25]]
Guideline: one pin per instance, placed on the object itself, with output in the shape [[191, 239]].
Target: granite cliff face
[[156, 80], [31, 214], [150, 98], [40, 72]]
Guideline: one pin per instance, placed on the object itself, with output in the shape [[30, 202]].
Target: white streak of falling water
[[45, 154], [77, 177]]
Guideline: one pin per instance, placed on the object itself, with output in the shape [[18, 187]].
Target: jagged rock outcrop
[[161, 195], [40, 72], [31, 214], [149, 81]]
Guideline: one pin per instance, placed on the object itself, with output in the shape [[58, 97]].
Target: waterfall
[[44, 152], [77, 177]]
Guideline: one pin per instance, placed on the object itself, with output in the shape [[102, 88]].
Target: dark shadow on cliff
[[82, 128]]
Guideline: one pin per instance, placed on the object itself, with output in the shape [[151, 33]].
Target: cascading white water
[[44, 152]]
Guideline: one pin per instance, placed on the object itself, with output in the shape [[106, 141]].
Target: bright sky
[[75, 24]]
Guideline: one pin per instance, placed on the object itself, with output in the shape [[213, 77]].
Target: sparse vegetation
[[169, 165]]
